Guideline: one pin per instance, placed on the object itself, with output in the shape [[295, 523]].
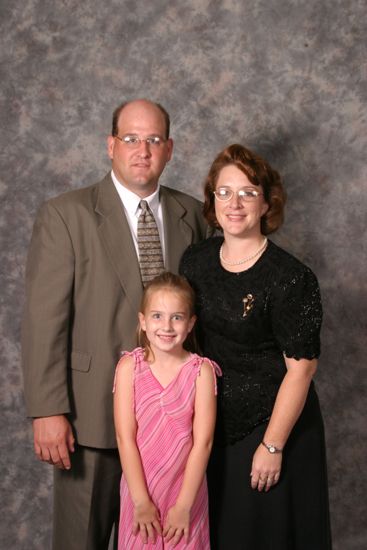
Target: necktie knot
[[143, 207]]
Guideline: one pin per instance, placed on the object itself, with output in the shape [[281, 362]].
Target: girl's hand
[[146, 521], [265, 471], [177, 525]]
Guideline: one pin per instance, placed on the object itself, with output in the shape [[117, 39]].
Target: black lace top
[[283, 316]]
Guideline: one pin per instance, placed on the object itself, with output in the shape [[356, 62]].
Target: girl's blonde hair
[[174, 283]]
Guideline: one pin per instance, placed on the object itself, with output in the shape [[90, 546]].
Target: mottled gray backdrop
[[287, 78]]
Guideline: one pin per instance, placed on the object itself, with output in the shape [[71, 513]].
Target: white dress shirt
[[130, 202]]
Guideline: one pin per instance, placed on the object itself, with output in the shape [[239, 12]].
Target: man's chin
[[143, 185]]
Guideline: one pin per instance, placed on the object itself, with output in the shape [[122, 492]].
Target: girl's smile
[[166, 321]]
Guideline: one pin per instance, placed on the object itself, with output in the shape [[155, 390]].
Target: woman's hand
[[265, 471], [177, 525], [146, 521]]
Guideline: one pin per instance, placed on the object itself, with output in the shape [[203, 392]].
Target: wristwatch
[[272, 448]]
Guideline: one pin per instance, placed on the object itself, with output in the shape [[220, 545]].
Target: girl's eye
[[177, 317], [156, 315]]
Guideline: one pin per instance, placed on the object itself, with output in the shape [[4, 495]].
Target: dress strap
[[137, 354], [215, 369]]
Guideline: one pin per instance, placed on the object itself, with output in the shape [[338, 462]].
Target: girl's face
[[166, 321], [236, 216]]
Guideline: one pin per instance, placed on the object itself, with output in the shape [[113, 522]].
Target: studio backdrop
[[287, 78]]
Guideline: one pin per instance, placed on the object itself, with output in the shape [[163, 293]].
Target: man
[[83, 292]]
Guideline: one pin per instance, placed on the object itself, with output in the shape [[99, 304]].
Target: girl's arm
[[146, 517], [177, 522], [288, 406]]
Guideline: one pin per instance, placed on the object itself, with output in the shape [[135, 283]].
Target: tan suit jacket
[[83, 291]]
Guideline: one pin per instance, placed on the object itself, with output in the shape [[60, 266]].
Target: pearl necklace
[[244, 260]]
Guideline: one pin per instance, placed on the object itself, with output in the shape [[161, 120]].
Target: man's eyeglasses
[[246, 194], [133, 142]]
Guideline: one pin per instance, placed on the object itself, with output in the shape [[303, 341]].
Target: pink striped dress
[[164, 439]]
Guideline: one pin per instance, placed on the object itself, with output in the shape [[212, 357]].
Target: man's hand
[[53, 440]]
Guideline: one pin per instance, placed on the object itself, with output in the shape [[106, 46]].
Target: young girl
[[165, 411]]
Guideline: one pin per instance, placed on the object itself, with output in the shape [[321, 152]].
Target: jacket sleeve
[[47, 315]]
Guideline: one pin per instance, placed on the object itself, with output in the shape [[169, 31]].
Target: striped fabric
[[164, 438], [149, 244]]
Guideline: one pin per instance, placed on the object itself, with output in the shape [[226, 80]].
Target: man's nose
[[144, 148]]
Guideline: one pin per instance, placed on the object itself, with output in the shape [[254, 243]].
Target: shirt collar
[[131, 201]]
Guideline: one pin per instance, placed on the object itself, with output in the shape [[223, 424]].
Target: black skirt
[[292, 515]]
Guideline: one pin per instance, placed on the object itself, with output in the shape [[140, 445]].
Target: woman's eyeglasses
[[246, 194]]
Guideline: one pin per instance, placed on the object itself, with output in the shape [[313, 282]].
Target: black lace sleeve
[[297, 314]]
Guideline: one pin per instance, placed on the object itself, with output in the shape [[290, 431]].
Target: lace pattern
[[283, 316]]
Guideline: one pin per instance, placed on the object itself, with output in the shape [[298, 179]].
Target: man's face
[[139, 167]]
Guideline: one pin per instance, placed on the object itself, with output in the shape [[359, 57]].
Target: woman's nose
[[235, 200]]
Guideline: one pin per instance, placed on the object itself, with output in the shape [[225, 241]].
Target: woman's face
[[239, 216]]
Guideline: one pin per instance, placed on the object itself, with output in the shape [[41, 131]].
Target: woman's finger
[[269, 483], [261, 483]]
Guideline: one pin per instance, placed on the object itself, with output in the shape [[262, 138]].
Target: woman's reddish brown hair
[[260, 173]]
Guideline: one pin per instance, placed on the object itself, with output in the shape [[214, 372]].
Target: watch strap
[[271, 448]]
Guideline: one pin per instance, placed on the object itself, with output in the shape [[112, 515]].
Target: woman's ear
[[265, 208]]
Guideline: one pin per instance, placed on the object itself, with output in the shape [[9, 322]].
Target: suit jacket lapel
[[116, 237], [177, 233]]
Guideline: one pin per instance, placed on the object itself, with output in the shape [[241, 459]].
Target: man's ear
[[110, 146]]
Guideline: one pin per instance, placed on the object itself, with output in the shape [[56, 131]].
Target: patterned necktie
[[150, 250]]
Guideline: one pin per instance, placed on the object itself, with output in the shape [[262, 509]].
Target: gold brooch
[[248, 304]]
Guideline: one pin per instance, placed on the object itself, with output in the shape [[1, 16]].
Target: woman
[[259, 317]]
